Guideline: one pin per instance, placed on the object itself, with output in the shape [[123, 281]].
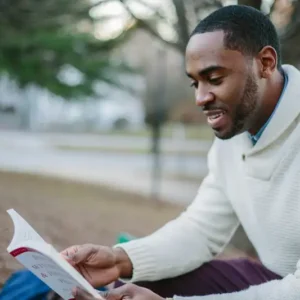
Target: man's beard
[[245, 111]]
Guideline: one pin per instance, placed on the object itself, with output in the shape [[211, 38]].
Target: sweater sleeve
[[287, 288], [185, 243]]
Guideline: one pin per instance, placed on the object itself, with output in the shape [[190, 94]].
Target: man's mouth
[[216, 118]]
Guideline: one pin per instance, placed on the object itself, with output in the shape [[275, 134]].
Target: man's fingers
[[112, 296], [119, 293], [124, 291], [68, 254], [80, 294], [81, 255]]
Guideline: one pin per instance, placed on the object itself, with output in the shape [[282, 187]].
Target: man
[[252, 104]]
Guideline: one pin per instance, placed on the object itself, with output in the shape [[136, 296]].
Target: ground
[[67, 213]]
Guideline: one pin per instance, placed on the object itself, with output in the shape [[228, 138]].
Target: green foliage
[[39, 38]]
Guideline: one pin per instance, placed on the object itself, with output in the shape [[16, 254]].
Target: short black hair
[[246, 29]]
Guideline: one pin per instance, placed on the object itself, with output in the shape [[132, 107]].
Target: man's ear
[[267, 59]]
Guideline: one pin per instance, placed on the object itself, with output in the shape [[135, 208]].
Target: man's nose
[[203, 97]]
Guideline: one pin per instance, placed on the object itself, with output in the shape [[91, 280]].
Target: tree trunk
[[254, 3], [182, 24], [291, 39]]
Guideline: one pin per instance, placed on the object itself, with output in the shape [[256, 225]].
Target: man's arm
[[190, 240]]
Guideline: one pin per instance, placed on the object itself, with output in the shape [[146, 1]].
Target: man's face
[[225, 84]]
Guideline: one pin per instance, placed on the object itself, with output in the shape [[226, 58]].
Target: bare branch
[[208, 3], [143, 24], [182, 25], [100, 2], [105, 18], [146, 26], [154, 9]]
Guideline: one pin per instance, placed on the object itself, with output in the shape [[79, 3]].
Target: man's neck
[[271, 97]]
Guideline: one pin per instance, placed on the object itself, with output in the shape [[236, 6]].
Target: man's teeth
[[216, 116]]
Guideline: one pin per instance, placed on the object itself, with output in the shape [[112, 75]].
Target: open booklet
[[28, 247]]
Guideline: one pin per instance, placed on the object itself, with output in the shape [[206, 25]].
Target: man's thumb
[[116, 294], [81, 256]]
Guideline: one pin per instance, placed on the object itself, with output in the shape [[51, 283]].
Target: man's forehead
[[203, 43], [207, 49]]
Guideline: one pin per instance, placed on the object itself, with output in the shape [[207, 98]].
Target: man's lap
[[215, 277]]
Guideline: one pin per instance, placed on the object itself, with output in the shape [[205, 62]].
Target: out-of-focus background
[[99, 133]]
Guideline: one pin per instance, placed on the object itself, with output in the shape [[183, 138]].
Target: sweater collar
[[286, 112], [254, 138]]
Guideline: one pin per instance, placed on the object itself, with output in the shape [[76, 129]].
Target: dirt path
[[67, 213]]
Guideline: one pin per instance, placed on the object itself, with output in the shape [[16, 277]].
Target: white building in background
[[41, 110]]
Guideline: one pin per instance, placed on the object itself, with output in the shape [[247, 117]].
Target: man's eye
[[194, 84], [215, 81]]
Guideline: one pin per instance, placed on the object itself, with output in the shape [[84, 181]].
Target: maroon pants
[[215, 277]]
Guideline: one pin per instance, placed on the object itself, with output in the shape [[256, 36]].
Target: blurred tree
[[255, 3], [52, 44], [173, 22], [286, 16], [290, 31]]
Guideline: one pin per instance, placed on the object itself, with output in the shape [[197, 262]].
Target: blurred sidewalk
[[123, 164]]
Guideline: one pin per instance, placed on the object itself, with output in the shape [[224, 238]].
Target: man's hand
[[131, 292], [126, 292], [98, 264], [80, 294]]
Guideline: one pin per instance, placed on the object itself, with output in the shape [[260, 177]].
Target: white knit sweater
[[257, 187]]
